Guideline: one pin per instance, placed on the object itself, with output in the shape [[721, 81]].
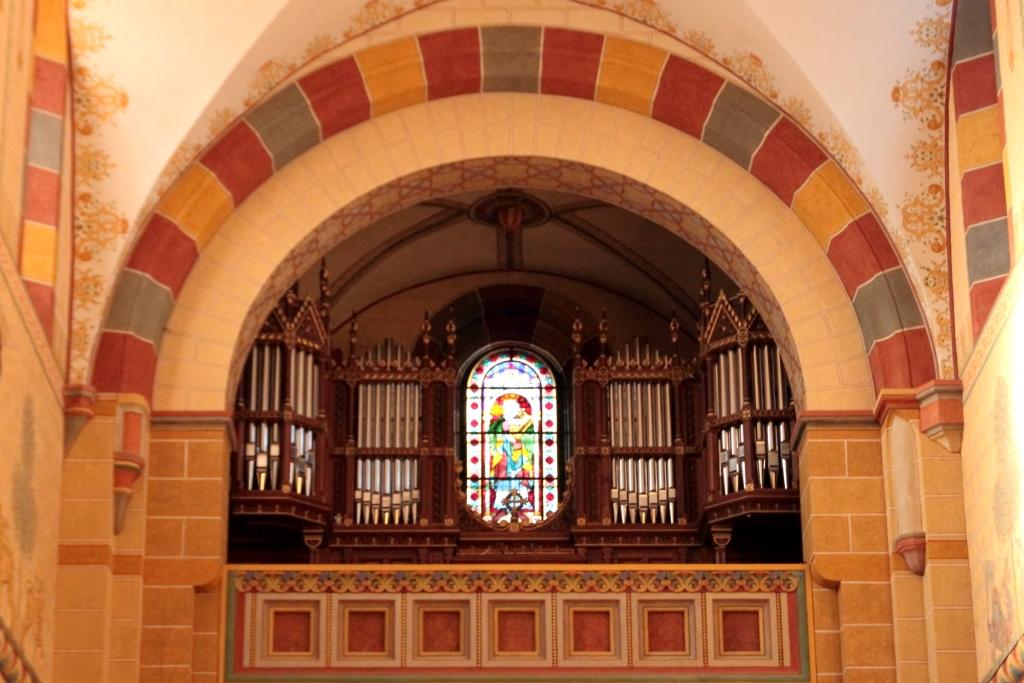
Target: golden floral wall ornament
[[97, 99], [937, 283], [924, 217], [98, 224], [92, 165], [220, 120], [844, 151], [645, 11], [945, 336], [88, 37], [373, 13], [922, 95], [878, 201], [928, 155], [752, 69], [932, 33], [270, 73], [700, 41], [799, 110]]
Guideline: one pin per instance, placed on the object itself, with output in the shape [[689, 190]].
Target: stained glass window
[[511, 424]]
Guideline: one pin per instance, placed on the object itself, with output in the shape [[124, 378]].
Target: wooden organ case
[[668, 459], [280, 420]]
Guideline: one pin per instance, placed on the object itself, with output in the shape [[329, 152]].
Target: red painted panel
[[451, 62], [786, 159], [903, 360], [240, 161], [984, 197], [42, 300], [685, 95], [592, 631], [337, 95], [124, 363], [442, 631], [860, 251], [49, 89], [974, 84], [741, 632], [42, 195], [367, 631], [292, 631], [983, 298], [165, 253], [666, 631], [570, 63], [517, 631]]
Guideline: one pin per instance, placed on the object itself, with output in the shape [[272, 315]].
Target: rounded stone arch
[[292, 219], [392, 122], [528, 172]]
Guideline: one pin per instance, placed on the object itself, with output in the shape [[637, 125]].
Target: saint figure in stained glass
[[512, 437], [513, 444]]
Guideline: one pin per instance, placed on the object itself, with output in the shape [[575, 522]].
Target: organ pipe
[[779, 385], [386, 490], [643, 490], [639, 417], [279, 397], [389, 415], [749, 399], [652, 413], [755, 375], [666, 410]]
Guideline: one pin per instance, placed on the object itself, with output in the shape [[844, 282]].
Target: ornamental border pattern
[[515, 581]]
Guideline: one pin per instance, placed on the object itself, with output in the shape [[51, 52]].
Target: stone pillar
[[931, 588], [828, 658], [85, 555], [186, 540], [99, 573], [842, 507]]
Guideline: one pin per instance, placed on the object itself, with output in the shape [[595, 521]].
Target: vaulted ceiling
[[584, 254]]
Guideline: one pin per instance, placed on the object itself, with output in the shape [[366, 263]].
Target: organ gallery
[[427, 448]]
